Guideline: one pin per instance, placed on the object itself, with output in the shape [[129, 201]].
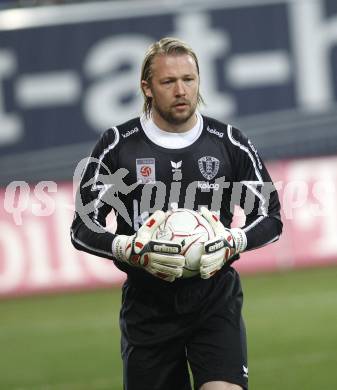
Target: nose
[[179, 88]]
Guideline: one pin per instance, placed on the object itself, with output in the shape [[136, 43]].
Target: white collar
[[170, 140]]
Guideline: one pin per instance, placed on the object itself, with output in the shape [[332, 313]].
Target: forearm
[[96, 242], [262, 231]]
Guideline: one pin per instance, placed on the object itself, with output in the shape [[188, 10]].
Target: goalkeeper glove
[[160, 258], [225, 245]]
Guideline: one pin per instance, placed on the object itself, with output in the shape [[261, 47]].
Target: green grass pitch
[[71, 341]]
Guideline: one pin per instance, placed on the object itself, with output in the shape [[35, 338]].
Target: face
[[174, 91]]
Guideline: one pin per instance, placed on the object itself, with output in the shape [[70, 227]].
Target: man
[[151, 163]]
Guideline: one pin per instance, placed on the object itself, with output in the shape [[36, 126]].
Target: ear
[[146, 89]]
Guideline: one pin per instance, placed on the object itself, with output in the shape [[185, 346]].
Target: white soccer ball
[[191, 230]]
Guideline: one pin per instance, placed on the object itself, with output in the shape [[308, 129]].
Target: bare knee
[[217, 385]]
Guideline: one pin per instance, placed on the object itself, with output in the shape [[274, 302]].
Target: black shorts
[[196, 323]]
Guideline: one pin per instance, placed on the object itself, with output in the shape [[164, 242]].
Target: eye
[[188, 80], [167, 82]]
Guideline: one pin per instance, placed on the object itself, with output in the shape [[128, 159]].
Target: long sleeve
[[88, 230], [258, 196]]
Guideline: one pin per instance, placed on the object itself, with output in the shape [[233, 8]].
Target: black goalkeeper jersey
[[132, 175]]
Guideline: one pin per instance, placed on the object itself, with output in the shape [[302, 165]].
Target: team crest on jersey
[[209, 166], [146, 170]]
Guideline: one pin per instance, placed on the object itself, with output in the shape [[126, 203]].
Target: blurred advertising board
[[36, 255], [69, 72]]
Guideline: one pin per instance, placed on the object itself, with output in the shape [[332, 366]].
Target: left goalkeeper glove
[[226, 244], [160, 258]]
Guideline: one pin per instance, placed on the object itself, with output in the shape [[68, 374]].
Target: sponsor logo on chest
[[206, 186]]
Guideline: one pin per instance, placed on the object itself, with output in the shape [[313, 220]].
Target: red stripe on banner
[[36, 255]]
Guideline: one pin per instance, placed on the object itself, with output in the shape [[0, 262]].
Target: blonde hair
[[165, 46]]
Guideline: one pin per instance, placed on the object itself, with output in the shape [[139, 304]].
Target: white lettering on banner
[[12, 260], [313, 38], [48, 89], [259, 69], [112, 65], [10, 124], [103, 102]]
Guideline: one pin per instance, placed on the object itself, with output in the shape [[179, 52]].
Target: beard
[[173, 117]]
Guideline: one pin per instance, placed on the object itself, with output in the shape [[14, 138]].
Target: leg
[[153, 353], [162, 367], [217, 350]]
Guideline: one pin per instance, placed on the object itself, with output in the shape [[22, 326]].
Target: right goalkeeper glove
[[224, 246], [160, 258]]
